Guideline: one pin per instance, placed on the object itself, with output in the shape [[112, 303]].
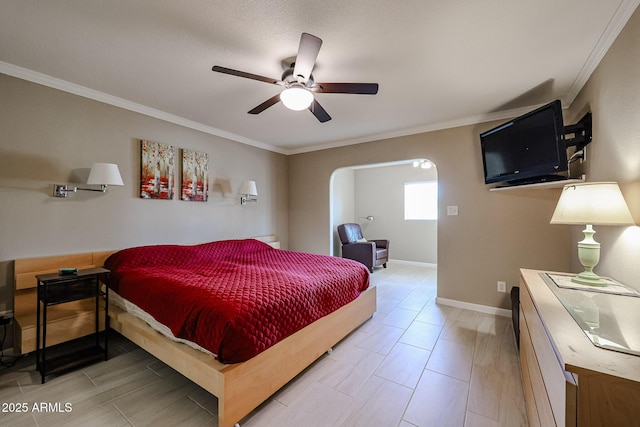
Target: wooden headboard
[[25, 270]]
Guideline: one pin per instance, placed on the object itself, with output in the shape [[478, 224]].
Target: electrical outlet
[[502, 286]]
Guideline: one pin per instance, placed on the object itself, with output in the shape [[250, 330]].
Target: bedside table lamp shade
[[592, 203]]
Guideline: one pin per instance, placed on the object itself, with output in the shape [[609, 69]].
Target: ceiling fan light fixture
[[299, 84], [296, 98]]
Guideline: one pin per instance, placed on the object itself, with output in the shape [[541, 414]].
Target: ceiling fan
[[298, 82]]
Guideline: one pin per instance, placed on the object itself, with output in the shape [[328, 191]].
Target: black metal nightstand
[[57, 288]]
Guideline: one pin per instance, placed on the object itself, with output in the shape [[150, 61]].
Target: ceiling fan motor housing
[[289, 79]]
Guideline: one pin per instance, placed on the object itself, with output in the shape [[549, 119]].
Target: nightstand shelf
[[83, 287]]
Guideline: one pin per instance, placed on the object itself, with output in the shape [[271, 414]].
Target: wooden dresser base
[[568, 381]]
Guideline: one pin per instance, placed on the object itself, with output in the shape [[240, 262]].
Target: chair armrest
[[362, 252], [381, 243]]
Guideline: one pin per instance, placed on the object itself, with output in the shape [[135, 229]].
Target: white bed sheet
[[131, 308]]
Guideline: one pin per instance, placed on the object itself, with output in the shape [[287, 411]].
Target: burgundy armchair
[[371, 253]]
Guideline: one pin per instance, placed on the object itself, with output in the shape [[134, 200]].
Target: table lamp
[[599, 203]]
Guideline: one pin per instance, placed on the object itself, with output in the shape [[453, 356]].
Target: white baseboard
[[474, 307], [418, 263]]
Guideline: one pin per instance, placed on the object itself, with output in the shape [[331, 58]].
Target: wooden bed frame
[[239, 387]]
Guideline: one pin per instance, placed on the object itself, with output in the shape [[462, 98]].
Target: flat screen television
[[527, 149]]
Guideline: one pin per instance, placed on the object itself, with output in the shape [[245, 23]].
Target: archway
[[374, 196]]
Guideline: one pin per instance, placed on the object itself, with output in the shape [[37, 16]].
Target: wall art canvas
[[157, 180], [195, 175]]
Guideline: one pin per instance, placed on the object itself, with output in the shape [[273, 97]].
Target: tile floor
[[413, 364]]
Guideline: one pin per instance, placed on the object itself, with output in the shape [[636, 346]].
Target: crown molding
[[617, 23], [65, 86], [432, 127]]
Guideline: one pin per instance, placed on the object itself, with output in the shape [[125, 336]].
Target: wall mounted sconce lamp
[[102, 174], [248, 192], [368, 218]]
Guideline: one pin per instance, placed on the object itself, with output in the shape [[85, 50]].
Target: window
[[421, 200]]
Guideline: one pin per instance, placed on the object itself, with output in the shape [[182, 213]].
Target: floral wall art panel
[[195, 175], [157, 180]]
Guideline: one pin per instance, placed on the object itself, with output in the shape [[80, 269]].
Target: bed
[[240, 379]]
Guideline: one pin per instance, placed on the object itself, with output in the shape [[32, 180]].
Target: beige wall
[[494, 234], [342, 204], [613, 95], [498, 232], [46, 134]]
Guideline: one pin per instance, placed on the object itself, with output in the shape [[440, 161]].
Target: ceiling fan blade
[[266, 104], [245, 75], [320, 113], [354, 88], [306, 57]]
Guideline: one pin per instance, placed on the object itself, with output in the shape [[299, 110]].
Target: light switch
[[452, 210]]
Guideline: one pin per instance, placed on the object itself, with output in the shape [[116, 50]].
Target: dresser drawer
[[538, 404], [557, 390]]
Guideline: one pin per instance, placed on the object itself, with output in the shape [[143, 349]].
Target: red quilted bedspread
[[234, 298]]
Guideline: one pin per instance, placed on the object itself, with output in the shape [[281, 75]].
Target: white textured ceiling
[[439, 63]]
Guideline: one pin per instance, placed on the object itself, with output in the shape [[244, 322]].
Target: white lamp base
[[588, 278], [589, 255]]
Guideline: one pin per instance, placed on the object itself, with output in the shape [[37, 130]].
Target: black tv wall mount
[[580, 133]]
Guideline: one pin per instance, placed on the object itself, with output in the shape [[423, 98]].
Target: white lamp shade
[[248, 188], [596, 203], [105, 174], [296, 98]]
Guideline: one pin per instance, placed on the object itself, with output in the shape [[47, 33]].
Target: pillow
[[363, 240]]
